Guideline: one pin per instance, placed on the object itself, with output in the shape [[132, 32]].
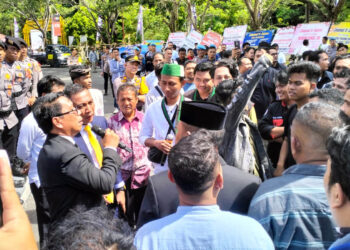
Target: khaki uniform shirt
[[17, 78], [5, 101], [37, 74], [74, 60]]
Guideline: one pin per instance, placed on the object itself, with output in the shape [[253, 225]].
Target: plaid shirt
[[294, 209]]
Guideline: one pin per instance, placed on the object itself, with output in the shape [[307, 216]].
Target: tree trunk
[[307, 12]]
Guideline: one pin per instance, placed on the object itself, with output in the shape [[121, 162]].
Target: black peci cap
[[205, 115], [78, 71]]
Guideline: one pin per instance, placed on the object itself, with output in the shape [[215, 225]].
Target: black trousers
[[21, 114], [9, 139], [133, 202], [42, 212], [107, 78]]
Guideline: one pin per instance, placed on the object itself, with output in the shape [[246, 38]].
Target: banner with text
[[283, 38], [310, 31], [233, 34], [255, 37], [56, 25], [212, 38], [192, 38], [177, 38], [340, 32]]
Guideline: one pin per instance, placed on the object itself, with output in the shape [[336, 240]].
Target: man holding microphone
[[67, 175]]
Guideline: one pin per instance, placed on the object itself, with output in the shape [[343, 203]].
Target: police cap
[[11, 41]]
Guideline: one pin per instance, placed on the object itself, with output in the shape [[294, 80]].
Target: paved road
[[97, 79]]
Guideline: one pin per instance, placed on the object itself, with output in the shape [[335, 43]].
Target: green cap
[[173, 70]]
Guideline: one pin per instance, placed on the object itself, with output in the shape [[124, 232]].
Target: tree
[[170, 10], [327, 10], [109, 11], [260, 11], [39, 11], [197, 22], [222, 14], [81, 24]]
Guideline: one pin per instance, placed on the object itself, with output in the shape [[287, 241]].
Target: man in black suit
[[83, 101], [67, 175], [161, 196]]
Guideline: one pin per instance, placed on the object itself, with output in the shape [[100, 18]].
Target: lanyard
[[166, 115], [195, 94]]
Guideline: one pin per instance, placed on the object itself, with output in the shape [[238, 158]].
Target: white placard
[[192, 38], [283, 38], [310, 31], [36, 40], [233, 34], [177, 38], [83, 38], [70, 40]]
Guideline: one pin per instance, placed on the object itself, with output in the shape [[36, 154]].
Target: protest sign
[[255, 37], [340, 32], [212, 38], [283, 38], [310, 31], [192, 38], [233, 34], [177, 38]]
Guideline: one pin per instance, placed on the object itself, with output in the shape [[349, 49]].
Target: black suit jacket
[[161, 196], [69, 178]]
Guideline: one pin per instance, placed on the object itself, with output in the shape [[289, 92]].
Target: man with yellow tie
[[68, 177], [87, 140]]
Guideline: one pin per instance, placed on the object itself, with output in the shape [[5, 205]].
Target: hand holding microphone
[[109, 138]]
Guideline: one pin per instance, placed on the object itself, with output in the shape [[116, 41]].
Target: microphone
[[101, 132]]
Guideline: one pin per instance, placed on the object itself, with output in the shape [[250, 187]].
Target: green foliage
[[223, 14], [344, 15], [289, 14], [81, 24]]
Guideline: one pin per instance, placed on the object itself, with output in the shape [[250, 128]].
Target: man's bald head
[[311, 128]]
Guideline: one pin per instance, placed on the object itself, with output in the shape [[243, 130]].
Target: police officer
[[34, 68], [17, 78], [8, 119], [2, 52]]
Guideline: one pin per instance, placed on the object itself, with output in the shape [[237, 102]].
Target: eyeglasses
[[74, 110]]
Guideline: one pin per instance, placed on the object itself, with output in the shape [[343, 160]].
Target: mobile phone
[[237, 44]]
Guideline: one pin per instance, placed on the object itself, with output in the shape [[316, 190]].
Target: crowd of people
[[207, 148]]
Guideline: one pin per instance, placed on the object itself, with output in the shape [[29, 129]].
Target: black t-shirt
[[181, 62], [288, 119]]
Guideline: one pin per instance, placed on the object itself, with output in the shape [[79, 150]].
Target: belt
[[4, 114], [17, 94]]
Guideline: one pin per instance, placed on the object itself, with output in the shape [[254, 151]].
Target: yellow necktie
[[109, 198]]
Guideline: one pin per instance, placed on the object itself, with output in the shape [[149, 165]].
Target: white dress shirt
[[153, 95], [97, 96], [31, 140], [151, 80], [154, 125], [85, 137]]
